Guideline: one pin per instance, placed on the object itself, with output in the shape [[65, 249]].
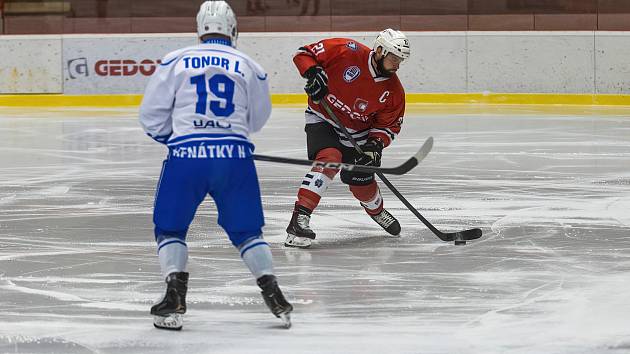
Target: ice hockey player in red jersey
[[360, 85]]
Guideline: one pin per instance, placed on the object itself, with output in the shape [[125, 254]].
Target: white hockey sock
[[173, 255], [316, 182], [256, 254]]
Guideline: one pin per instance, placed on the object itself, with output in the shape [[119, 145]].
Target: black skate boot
[[299, 234], [274, 299], [168, 314], [387, 222]]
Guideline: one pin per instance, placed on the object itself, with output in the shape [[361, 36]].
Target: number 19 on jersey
[[220, 86]]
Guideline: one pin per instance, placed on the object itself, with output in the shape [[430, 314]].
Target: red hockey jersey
[[365, 104]]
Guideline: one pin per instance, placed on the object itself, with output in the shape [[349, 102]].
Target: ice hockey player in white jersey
[[203, 102]]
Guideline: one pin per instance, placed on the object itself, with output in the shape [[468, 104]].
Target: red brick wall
[[137, 16]]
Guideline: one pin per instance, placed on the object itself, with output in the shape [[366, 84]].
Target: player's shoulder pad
[[350, 44]]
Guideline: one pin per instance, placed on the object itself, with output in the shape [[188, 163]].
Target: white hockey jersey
[[205, 92]]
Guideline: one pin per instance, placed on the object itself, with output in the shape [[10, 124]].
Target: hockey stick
[[398, 170], [459, 237]]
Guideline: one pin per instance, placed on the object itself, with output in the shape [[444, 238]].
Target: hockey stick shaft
[[467, 234], [322, 164], [398, 170], [333, 165]]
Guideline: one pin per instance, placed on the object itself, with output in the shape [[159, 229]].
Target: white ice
[[549, 188]]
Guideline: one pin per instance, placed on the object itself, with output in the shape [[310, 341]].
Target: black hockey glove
[[372, 152], [316, 83]]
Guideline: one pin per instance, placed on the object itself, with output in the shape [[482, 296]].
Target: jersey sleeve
[[388, 122], [319, 53], [259, 101], [157, 103]]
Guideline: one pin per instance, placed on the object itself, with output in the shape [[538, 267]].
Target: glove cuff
[[376, 141], [312, 71]]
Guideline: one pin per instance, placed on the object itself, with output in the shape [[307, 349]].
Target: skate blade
[[286, 319], [172, 322], [297, 242]]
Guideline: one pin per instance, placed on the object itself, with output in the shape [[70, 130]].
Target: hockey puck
[[460, 242]]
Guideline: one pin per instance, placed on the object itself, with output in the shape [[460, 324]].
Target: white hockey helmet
[[394, 42], [217, 17]]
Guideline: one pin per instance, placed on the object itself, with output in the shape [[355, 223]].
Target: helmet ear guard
[[392, 41], [217, 17]]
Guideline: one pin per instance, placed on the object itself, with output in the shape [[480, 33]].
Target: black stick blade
[[465, 235]]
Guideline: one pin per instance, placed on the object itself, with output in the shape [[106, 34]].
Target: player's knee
[[328, 155], [161, 235], [365, 192]]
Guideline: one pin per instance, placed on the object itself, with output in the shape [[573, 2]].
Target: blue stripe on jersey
[[168, 62], [161, 138], [191, 136], [211, 141]]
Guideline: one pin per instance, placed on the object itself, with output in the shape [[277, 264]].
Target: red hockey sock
[[369, 196]]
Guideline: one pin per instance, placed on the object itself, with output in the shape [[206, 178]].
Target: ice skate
[[168, 313], [274, 299], [299, 234], [387, 221]]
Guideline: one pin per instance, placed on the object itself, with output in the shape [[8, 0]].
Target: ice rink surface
[[549, 188]]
